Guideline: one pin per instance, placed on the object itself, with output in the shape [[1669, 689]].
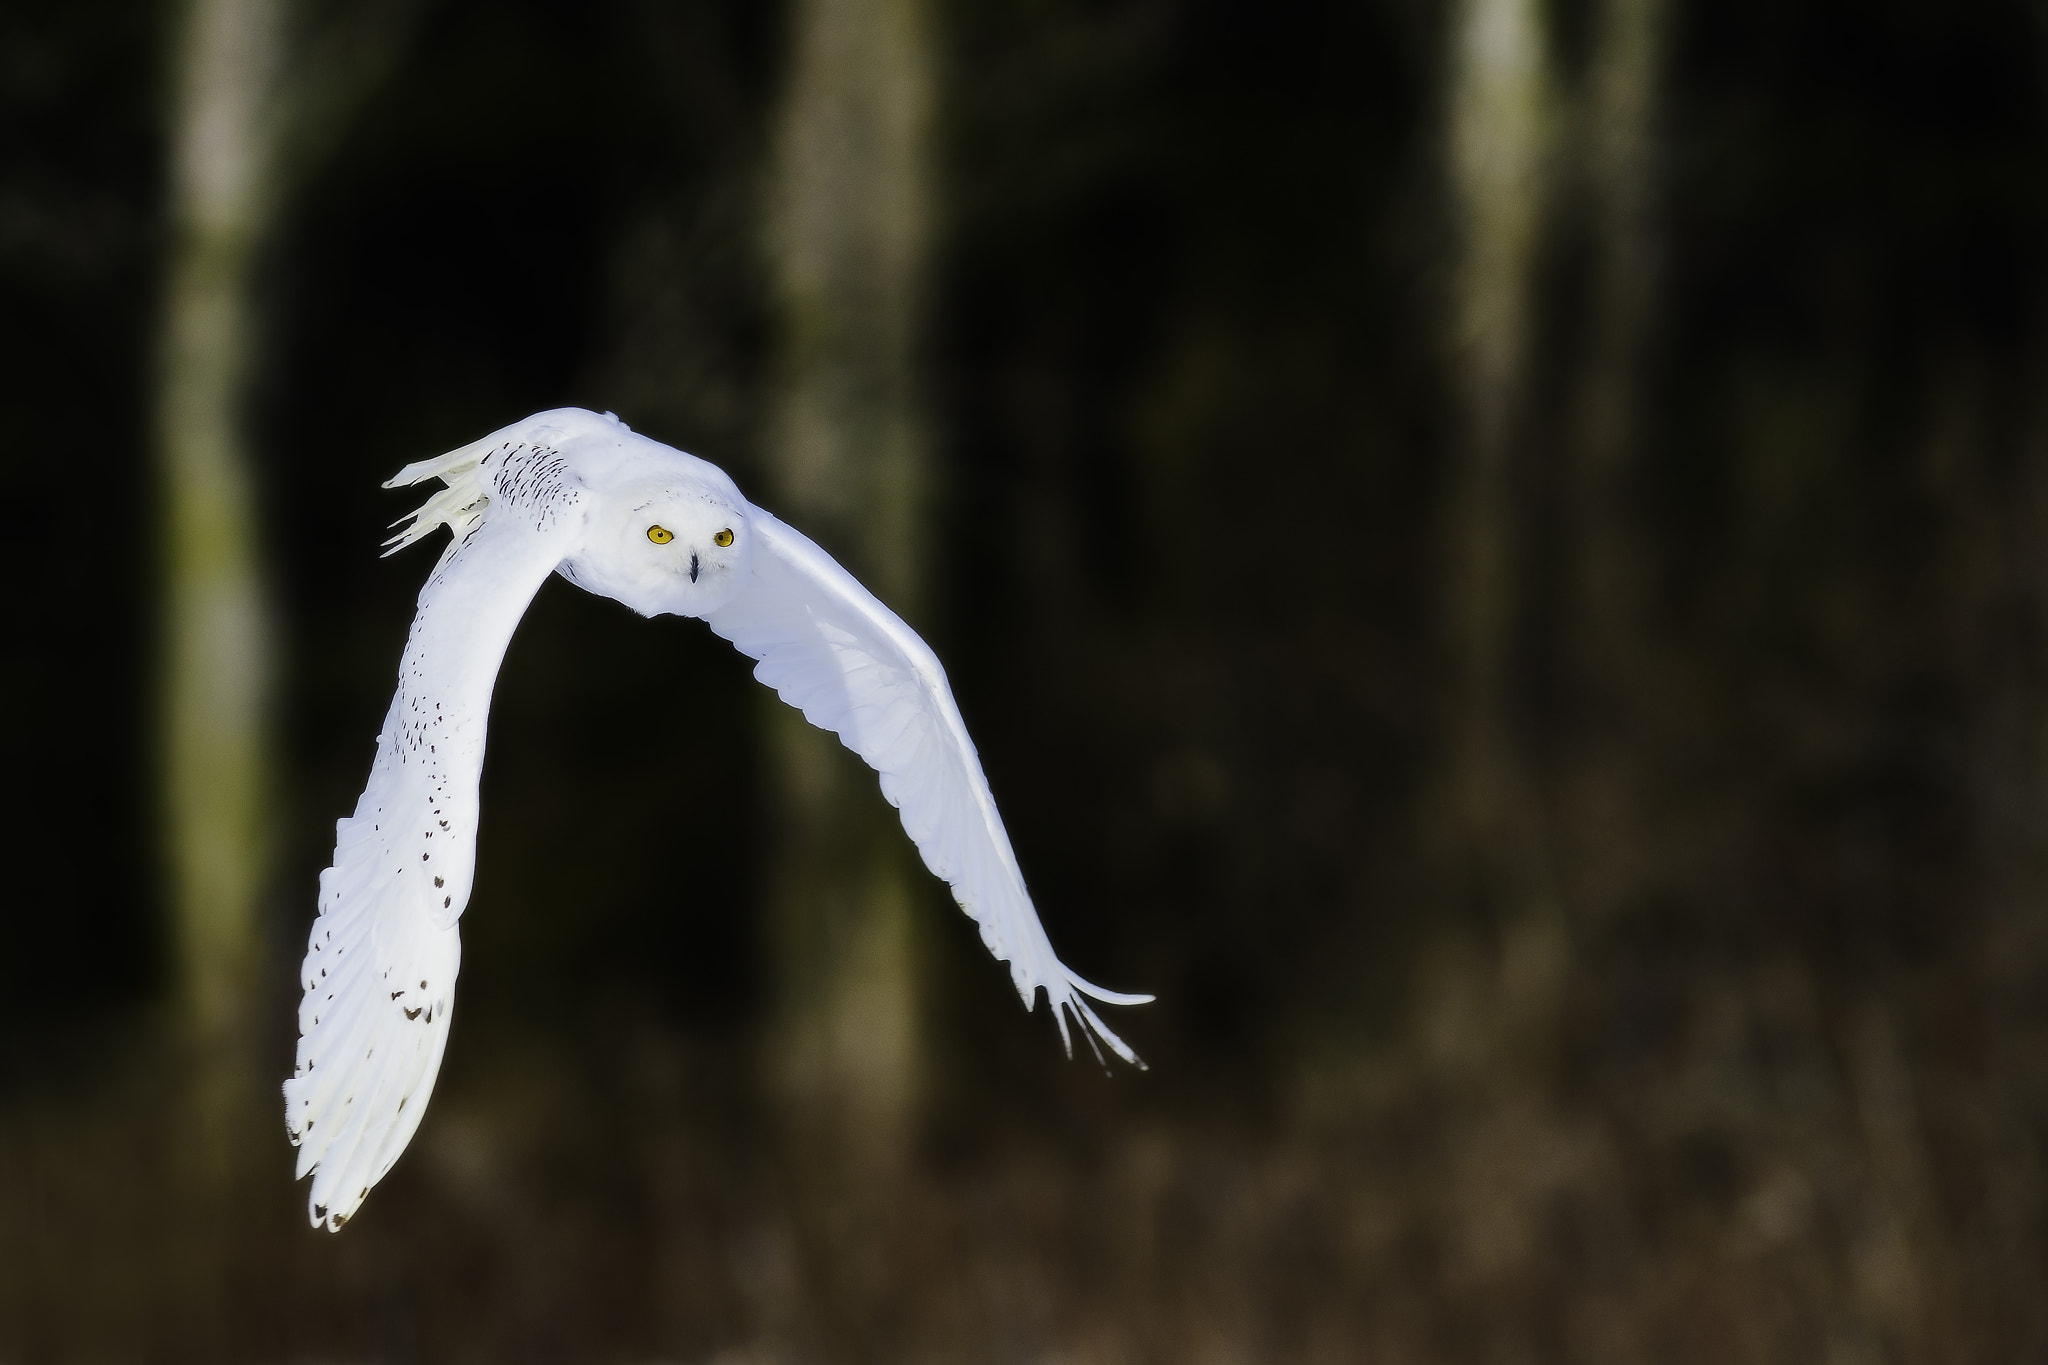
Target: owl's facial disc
[[665, 550]]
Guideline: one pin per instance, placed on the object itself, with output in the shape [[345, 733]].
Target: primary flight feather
[[666, 533]]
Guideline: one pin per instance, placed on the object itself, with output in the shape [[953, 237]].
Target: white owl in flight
[[578, 494]]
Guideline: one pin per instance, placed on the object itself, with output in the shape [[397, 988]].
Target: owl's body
[[667, 534]]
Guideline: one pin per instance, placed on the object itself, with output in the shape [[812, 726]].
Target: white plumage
[[666, 533]]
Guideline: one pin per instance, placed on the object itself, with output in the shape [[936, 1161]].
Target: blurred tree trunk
[[1608, 657], [217, 639], [1498, 88], [847, 461]]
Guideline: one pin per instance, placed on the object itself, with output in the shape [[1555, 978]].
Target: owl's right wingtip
[[1097, 1034]]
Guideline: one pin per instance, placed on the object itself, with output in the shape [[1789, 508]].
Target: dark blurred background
[[1492, 551]]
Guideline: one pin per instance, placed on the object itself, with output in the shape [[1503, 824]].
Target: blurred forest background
[[1496, 553]]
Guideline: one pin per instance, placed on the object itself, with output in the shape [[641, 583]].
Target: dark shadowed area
[[1495, 554]]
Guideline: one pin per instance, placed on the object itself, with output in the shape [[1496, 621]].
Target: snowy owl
[[579, 494]]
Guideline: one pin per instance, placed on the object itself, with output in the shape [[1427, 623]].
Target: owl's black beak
[[693, 567]]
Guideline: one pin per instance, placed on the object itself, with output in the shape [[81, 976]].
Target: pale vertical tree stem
[[216, 646], [1497, 128], [1617, 122], [1610, 654], [846, 232]]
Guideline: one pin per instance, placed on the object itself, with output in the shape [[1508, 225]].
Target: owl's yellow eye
[[660, 535], [722, 539]]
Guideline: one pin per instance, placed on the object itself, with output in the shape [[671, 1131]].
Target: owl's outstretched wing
[[379, 972], [832, 650]]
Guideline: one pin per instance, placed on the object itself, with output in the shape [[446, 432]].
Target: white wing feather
[[380, 966], [832, 650]]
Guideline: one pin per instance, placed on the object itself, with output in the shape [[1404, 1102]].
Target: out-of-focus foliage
[[1743, 1061]]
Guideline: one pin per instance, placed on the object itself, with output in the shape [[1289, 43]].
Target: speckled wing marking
[[380, 965], [832, 650]]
